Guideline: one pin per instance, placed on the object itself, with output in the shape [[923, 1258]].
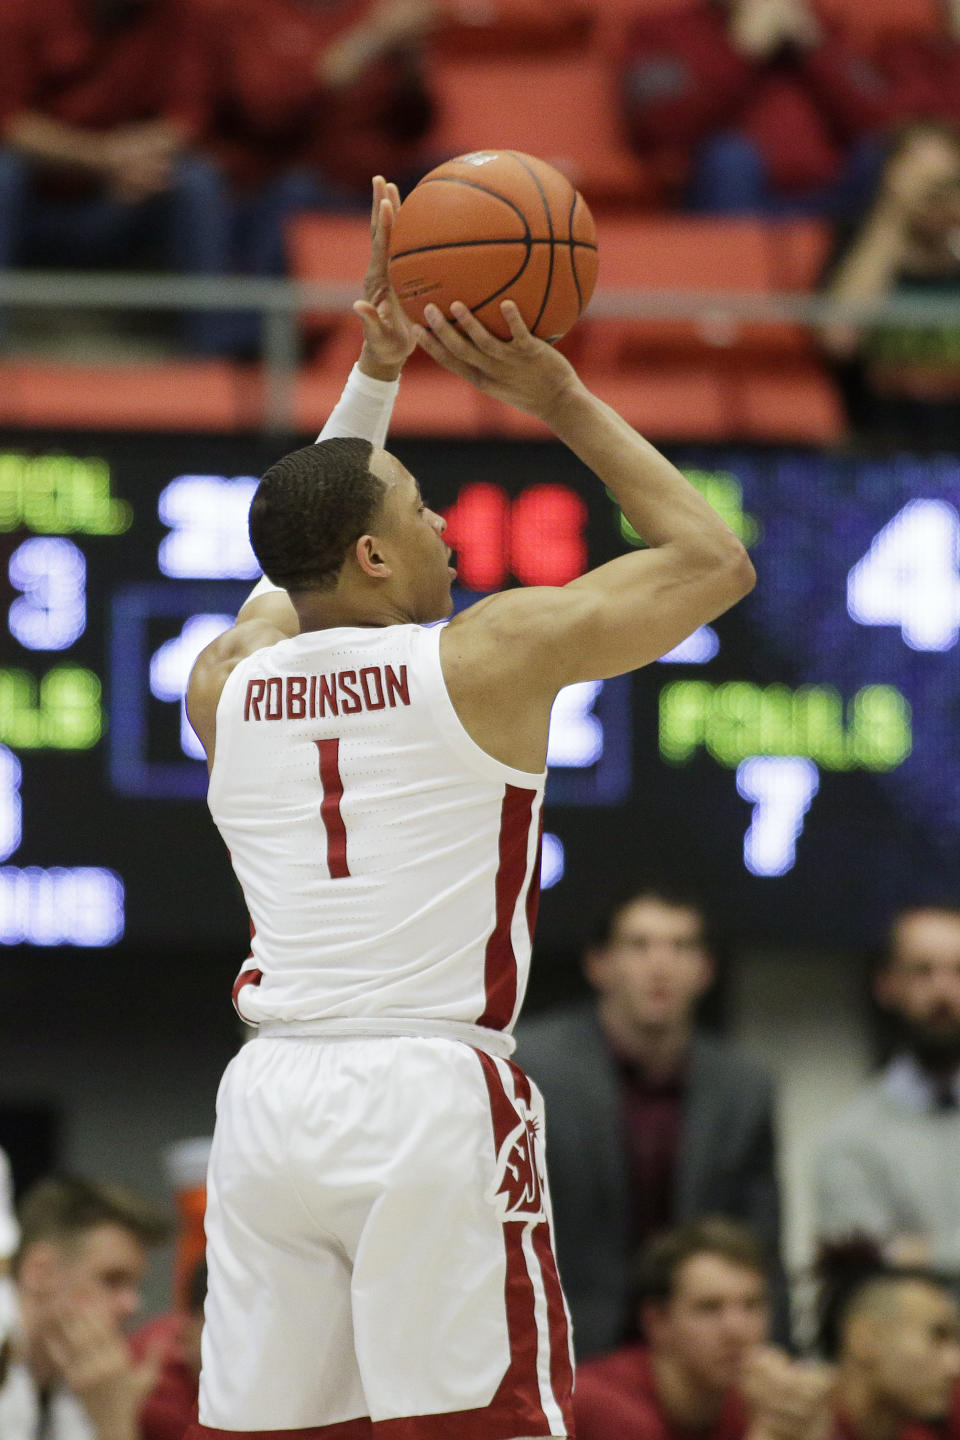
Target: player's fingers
[[478, 333], [454, 363], [379, 186], [452, 339], [515, 321], [365, 310], [393, 195]]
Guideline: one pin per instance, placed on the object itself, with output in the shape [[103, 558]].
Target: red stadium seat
[[562, 108], [431, 402], [197, 395], [507, 27], [869, 21], [713, 375], [798, 253], [328, 249]]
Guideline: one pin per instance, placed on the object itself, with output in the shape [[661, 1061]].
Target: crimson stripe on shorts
[[520, 1386], [500, 962], [515, 1408], [330, 814], [344, 1430], [561, 1370]]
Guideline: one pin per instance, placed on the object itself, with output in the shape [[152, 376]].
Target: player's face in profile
[[922, 982], [413, 536], [916, 1353], [717, 1314], [655, 965]]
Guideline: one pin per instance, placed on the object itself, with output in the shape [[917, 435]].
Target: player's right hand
[[523, 371], [388, 337]]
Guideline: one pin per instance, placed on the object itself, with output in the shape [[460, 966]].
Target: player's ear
[[371, 559]]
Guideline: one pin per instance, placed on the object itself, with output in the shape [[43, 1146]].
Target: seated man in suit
[[651, 1121]]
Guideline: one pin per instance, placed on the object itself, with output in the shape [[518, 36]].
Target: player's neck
[[687, 1405], [328, 609], [659, 1050]]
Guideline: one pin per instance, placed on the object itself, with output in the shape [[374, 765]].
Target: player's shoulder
[[242, 640], [518, 627]]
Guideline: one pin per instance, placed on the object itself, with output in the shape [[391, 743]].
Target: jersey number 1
[[332, 785]]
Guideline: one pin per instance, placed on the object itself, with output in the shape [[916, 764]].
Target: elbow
[[734, 572], [746, 575]]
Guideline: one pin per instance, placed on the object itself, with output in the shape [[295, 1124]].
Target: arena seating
[[711, 378], [535, 75]]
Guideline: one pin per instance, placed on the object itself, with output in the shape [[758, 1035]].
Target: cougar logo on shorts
[[517, 1191]]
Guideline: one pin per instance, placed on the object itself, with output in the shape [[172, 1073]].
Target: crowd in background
[[183, 134], [664, 1163]]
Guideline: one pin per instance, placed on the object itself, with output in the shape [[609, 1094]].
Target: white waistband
[[494, 1042]]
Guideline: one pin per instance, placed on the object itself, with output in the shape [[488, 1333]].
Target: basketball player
[[379, 1248]]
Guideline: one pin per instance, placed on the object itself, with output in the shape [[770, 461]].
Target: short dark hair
[[659, 1263], [672, 893], [308, 510], [64, 1208], [854, 1276]]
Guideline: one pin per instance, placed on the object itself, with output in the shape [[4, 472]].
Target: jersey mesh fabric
[[389, 865]]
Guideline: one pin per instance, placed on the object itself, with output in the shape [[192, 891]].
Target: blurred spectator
[[895, 1338], [9, 1236], [78, 1272], [922, 70], [171, 1407], [185, 1163], [752, 106], [309, 99], [650, 1122], [902, 382], [98, 101], [706, 1369], [889, 1166]]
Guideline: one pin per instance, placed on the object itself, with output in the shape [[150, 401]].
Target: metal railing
[[281, 303]]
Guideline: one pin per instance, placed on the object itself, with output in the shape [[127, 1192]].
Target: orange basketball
[[491, 226]]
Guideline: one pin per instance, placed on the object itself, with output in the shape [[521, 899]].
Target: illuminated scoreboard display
[[798, 760]]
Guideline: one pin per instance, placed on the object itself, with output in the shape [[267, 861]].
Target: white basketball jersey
[[390, 866]]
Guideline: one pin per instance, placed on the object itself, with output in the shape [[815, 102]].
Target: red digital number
[[538, 537]]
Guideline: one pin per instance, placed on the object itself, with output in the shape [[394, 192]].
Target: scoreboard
[[798, 760]]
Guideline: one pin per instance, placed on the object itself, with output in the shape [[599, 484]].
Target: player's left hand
[[388, 336]]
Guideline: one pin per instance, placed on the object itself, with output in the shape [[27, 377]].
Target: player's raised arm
[[366, 405], [363, 410], [636, 608]]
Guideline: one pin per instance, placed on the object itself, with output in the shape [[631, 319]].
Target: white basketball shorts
[[379, 1248]]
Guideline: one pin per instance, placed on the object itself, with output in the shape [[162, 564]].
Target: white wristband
[[364, 409]]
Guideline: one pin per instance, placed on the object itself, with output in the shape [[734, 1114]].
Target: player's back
[[389, 865]]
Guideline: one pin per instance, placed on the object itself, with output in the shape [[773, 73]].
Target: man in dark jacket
[[650, 1121]]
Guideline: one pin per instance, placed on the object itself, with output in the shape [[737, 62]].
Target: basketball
[[496, 225]]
